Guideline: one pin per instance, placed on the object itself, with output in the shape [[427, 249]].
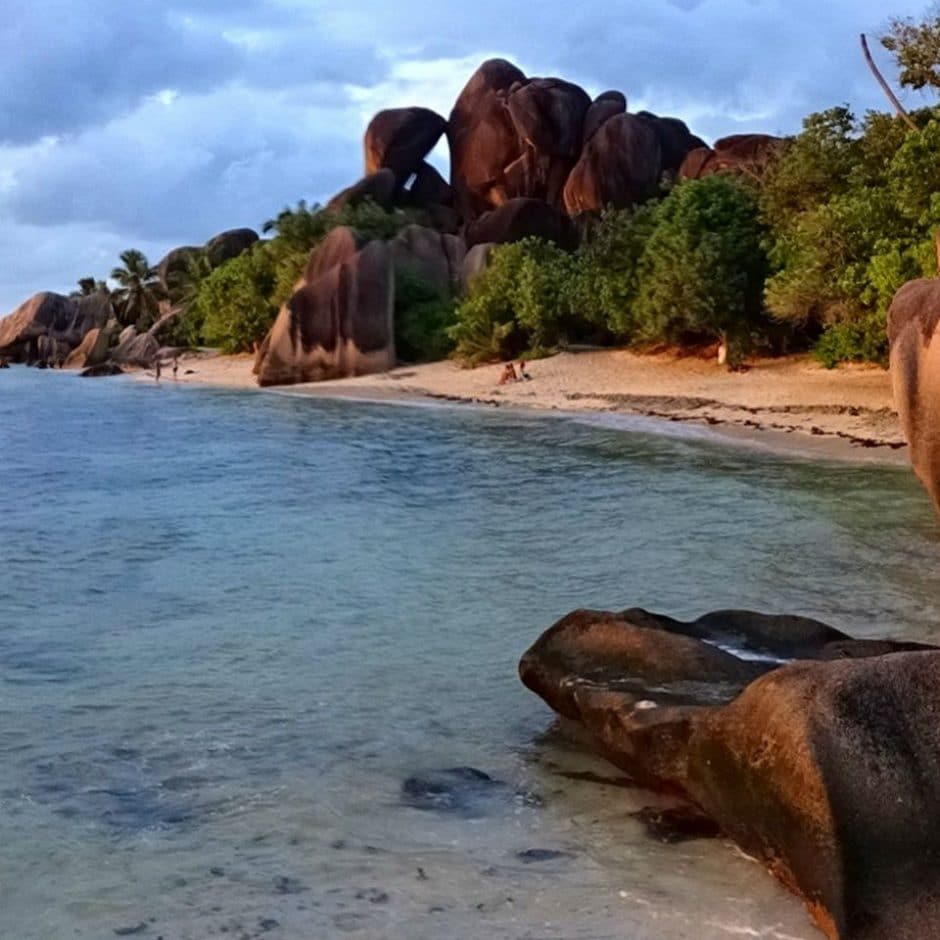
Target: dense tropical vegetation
[[808, 255]]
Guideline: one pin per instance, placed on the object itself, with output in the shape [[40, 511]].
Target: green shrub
[[852, 209], [607, 277], [703, 267], [233, 308], [521, 302], [423, 317], [858, 339]]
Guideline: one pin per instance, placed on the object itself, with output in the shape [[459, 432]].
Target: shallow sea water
[[232, 625]]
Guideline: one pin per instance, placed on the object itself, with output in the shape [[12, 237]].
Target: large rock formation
[[399, 139], [913, 320], [219, 249], [825, 770], [605, 106], [483, 140], [743, 154], [48, 326], [230, 244], [523, 218], [676, 141], [338, 322], [548, 116], [434, 258], [381, 187], [621, 165], [94, 349]]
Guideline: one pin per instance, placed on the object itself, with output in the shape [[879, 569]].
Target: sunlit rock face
[[339, 321], [815, 752], [915, 375]]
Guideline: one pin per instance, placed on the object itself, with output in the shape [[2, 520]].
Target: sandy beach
[[789, 403]]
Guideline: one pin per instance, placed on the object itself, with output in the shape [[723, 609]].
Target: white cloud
[[162, 122]]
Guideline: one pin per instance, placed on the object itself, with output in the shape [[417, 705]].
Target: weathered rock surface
[[828, 771], [434, 258], [137, 350], [228, 245], [219, 249], [620, 166], [381, 187], [482, 138], [548, 116], [93, 349], [430, 188], [399, 139], [915, 376], [676, 141], [48, 326], [746, 154], [522, 218], [175, 263], [338, 322], [475, 262], [603, 108]]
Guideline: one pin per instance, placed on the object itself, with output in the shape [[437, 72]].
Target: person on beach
[[157, 369], [509, 374], [523, 375], [176, 365]]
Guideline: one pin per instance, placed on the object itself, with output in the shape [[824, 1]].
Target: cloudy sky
[[161, 122]]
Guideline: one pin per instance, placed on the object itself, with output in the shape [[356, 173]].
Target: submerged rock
[[461, 791], [827, 768]]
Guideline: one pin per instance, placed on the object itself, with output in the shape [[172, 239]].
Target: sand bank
[[791, 403]]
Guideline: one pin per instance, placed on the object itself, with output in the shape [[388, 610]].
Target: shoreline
[[790, 405]]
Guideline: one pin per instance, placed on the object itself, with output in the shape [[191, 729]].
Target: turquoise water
[[232, 624]]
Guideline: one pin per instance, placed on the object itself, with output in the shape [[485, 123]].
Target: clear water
[[232, 624]]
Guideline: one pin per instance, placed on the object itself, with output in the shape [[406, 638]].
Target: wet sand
[[787, 404]]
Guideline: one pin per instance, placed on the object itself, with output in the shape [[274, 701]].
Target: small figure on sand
[[508, 375], [523, 375], [176, 365], [157, 368]]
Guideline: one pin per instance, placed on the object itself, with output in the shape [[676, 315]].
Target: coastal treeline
[[802, 252]]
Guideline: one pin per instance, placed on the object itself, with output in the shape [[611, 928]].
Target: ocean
[[258, 651]]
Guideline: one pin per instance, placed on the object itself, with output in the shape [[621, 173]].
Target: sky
[[162, 122]]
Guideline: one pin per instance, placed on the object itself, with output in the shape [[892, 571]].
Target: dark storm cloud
[[66, 64]]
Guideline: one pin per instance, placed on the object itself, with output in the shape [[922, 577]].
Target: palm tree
[[88, 286], [137, 299], [184, 281]]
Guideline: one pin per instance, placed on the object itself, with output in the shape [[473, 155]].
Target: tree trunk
[[886, 87]]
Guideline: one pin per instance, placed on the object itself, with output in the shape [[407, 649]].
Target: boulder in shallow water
[[104, 369], [828, 771]]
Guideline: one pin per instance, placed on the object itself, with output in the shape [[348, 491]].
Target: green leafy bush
[[521, 302], [703, 267], [423, 317], [607, 277], [852, 209], [234, 308]]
